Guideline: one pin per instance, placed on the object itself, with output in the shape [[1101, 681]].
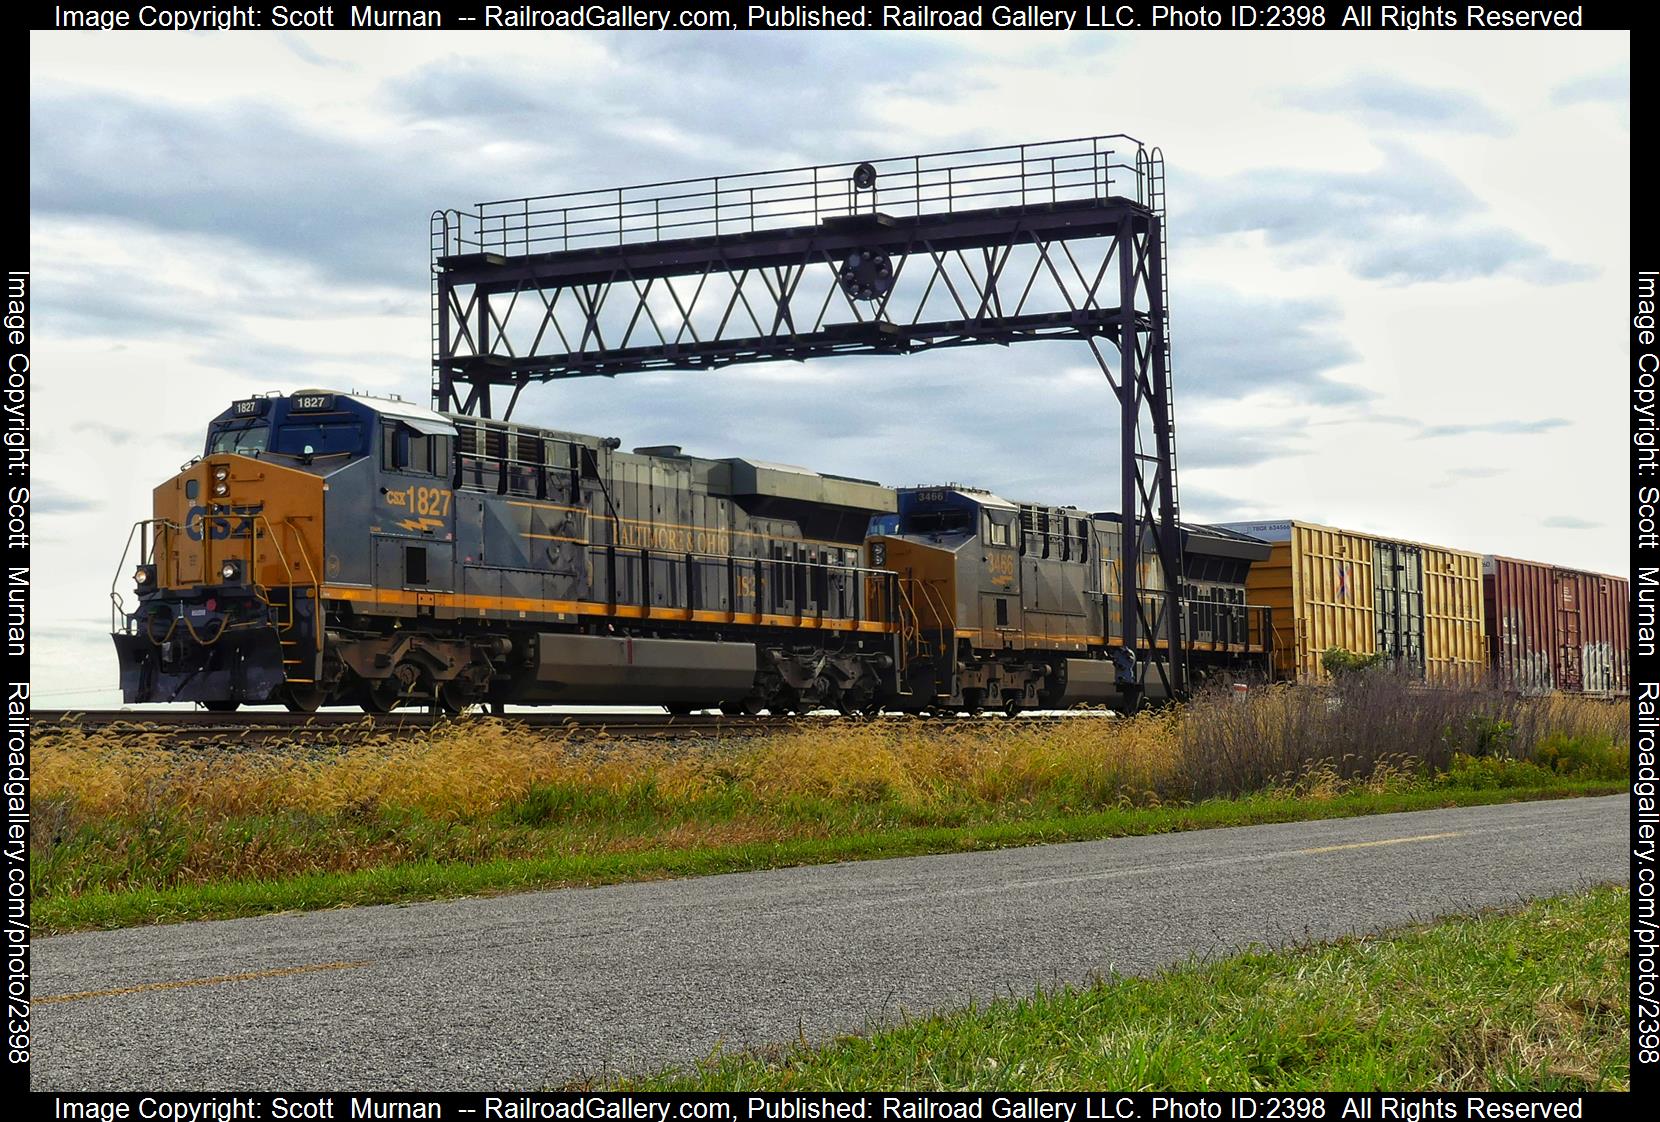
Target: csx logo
[[224, 522], [1001, 567]]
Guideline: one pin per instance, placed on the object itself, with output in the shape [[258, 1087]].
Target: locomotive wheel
[[221, 706], [302, 699], [1011, 707], [454, 698], [386, 694], [380, 697], [784, 702]]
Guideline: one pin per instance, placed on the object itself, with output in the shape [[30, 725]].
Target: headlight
[[229, 570], [221, 489], [221, 472], [141, 577], [879, 554]]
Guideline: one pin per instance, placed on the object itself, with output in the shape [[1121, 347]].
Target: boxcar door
[[1569, 664]]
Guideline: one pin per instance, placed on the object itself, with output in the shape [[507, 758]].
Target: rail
[[1020, 175]]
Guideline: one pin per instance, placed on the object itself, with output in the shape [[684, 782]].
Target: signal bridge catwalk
[[1058, 240]]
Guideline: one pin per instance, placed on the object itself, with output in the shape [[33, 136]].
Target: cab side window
[[405, 450]]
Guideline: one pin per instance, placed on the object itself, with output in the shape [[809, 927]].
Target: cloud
[[300, 49], [357, 205], [1495, 428], [1034, 422], [1465, 255], [50, 500], [1201, 504], [245, 172], [1388, 102], [1228, 344], [1409, 220], [1608, 85], [1568, 522], [697, 104], [119, 436]]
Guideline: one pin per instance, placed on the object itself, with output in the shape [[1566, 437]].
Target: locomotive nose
[[230, 519], [232, 563]]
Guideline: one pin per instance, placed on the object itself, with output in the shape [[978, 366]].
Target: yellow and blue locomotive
[[333, 548]]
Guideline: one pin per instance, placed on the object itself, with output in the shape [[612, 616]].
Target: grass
[[127, 830], [1531, 1000]]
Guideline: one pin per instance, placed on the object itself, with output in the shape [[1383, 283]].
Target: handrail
[[120, 618], [118, 602], [1074, 170]]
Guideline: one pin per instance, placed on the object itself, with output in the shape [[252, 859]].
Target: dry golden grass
[[1296, 741], [473, 768]]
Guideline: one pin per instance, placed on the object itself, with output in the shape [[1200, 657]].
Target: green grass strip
[[1531, 1000], [428, 880]]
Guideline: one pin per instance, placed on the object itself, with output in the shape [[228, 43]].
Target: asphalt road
[[532, 990]]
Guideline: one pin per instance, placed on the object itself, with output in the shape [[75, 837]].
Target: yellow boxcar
[[1455, 642], [1322, 588], [1318, 584]]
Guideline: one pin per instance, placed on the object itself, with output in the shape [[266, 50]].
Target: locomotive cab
[[232, 561], [1000, 603]]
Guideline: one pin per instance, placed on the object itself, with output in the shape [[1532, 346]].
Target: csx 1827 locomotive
[[334, 548]]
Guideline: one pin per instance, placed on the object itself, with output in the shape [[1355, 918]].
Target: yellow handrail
[[316, 584]]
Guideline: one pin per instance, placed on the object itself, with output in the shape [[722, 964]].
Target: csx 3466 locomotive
[[334, 548]]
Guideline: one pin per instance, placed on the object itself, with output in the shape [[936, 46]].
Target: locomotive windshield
[[244, 438], [297, 437], [293, 437], [940, 522]]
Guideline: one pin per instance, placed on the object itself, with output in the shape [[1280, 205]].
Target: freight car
[[1419, 605], [1550, 628], [334, 548]]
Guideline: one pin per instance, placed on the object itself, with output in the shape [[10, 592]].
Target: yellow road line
[[151, 987], [1385, 841]]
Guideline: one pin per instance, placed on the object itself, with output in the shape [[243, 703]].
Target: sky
[[1397, 263]]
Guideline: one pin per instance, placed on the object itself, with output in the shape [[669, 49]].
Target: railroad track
[[199, 726]]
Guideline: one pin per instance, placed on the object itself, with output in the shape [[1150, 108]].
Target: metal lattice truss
[[930, 284], [1052, 241]]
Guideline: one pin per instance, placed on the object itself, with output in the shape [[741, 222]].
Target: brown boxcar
[[1550, 628]]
